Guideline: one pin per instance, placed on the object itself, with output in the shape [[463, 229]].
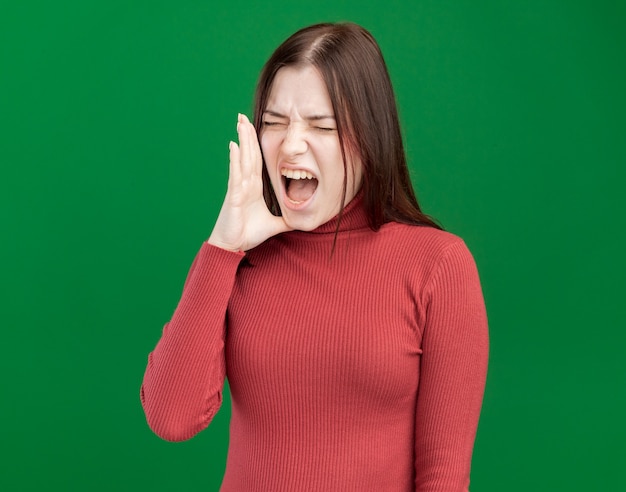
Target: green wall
[[114, 123]]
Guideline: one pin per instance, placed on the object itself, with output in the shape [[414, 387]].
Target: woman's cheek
[[268, 147]]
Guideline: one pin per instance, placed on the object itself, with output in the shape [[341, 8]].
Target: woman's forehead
[[301, 88]]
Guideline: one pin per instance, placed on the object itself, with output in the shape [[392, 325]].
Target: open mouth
[[300, 185]]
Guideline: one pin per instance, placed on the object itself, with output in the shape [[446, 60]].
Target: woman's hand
[[244, 220]]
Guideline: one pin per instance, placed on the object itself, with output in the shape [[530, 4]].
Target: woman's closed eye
[[274, 123], [280, 124]]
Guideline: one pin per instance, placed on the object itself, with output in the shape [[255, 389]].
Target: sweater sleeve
[[453, 371], [184, 379]]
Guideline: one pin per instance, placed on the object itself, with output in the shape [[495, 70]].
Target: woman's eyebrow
[[316, 117], [313, 117], [269, 112]]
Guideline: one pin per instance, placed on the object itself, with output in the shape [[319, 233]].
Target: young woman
[[351, 328]]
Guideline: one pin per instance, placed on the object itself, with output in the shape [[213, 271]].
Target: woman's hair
[[352, 66]]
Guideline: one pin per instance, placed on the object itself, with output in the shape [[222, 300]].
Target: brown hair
[[352, 66]]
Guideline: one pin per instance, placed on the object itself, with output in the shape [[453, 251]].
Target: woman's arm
[[452, 373], [182, 385]]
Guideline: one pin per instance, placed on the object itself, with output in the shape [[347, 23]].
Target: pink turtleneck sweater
[[360, 371]]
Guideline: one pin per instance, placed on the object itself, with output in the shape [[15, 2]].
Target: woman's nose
[[294, 142]]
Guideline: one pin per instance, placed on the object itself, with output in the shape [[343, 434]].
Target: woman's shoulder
[[417, 237], [426, 250]]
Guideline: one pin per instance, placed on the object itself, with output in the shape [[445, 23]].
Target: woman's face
[[301, 149]]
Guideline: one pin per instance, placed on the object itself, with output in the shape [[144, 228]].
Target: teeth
[[296, 174]]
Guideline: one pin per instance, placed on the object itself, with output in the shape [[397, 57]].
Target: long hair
[[354, 71]]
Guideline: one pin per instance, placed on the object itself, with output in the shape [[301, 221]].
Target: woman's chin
[[300, 215], [300, 221]]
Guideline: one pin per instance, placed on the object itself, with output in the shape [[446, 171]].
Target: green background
[[115, 119]]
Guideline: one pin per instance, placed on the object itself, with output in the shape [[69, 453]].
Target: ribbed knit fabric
[[360, 371]]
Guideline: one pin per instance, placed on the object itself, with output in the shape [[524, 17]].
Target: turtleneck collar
[[354, 217]]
